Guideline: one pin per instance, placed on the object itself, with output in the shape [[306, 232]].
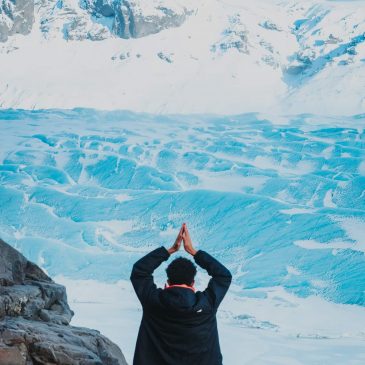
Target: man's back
[[178, 325]]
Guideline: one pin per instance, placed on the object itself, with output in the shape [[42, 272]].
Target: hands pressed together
[[183, 236]]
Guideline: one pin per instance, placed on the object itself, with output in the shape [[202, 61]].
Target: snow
[[228, 57], [281, 329], [297, 211], [314, 245]]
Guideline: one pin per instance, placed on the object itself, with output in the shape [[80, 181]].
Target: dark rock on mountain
[[123, 18], [35, 317], [135, 19], [16, 16]]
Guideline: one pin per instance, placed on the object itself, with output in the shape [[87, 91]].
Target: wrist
[[193, 252], [171, 250]]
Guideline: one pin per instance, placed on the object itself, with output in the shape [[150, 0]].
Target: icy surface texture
[[280, 201]]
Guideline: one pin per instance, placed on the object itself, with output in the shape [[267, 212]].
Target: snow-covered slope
[[194, 56], [280, 201]]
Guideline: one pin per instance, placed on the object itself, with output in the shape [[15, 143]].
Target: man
[[179, 325]]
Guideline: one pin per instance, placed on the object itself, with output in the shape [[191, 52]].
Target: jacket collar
[[180, 286]]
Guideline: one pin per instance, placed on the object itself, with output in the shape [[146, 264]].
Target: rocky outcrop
[[35, 317], [139, 18], [91, 19], [16, 16]]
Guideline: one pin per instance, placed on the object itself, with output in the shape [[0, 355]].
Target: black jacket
[[178, 326]]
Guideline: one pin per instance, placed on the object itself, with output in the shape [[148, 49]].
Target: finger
[[181, 229], [179, 235]]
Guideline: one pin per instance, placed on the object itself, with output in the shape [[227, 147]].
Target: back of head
[[181, 271]]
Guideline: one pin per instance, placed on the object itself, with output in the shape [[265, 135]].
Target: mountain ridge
[[203, 57]]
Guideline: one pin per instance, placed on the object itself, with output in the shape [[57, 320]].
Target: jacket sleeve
[[141, 276], [221, 277]]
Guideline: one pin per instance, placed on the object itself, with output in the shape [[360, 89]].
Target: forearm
[[141, 276], [221, 277], [146, 265], [211, 265], [171, 250]]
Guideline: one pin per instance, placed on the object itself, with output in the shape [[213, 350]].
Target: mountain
[[165, 56]]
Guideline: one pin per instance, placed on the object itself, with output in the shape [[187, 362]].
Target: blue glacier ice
[[280, 200]]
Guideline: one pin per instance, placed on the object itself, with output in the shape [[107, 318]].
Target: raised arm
[[141, 276], [221, 276]]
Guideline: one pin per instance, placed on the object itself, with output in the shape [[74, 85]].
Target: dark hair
[[181, 271]]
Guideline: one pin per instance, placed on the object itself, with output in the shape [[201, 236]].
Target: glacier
[[280, 204], [278, 198]]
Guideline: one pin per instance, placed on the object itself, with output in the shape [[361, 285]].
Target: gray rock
[[132, 20], [16, 269], [26, 290], [77, 30], [15, 355], [132, 23], [234, 37], [35, 317], [165, 57], [333, 40], [16, 16], [48, 343], [269, 25]]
